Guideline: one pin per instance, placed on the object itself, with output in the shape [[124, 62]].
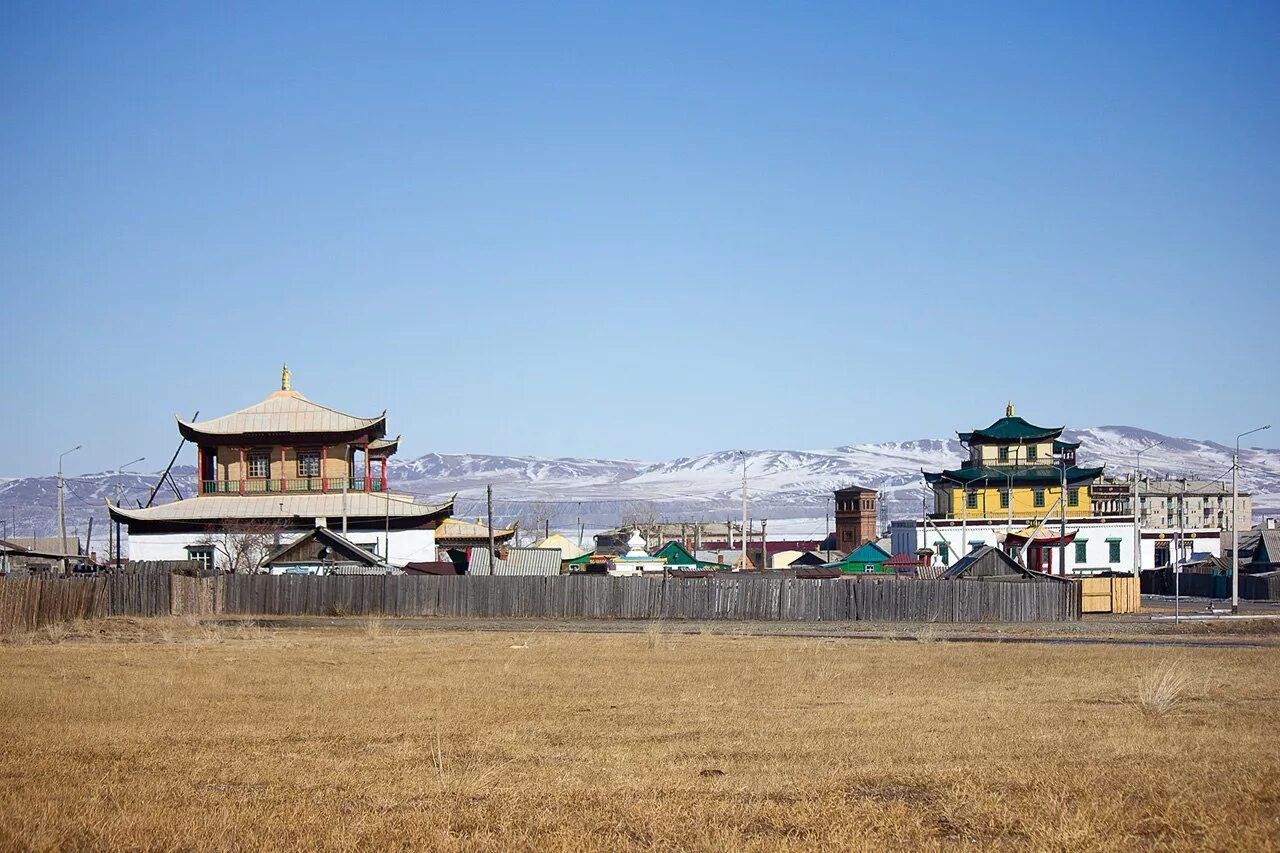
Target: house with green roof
[[678, 557], [870, 557]]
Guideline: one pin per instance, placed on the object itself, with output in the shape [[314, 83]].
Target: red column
[[242, 471], [368, 466], [384, 473], [199, 471]]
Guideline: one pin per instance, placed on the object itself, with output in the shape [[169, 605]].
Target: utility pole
[[1062, 531], [746, 535], [1177, 557], [488, 492], [1235, 524], [346, 480], [827, 539], [1137, 502], [62, 516], [764, 545], [579, 524]]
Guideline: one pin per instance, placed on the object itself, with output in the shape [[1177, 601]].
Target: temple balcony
[[315, 485]]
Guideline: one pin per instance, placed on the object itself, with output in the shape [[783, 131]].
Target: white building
[[1094, 545]]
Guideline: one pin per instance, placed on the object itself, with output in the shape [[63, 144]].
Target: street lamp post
[[119, 492], [1137, 528], [1235, 523], [62, 516]]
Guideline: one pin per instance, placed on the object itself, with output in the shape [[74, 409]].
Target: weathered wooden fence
[[1260, 587], [749, 597], [28, 604]]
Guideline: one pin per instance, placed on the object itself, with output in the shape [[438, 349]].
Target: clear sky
[[640, 230]]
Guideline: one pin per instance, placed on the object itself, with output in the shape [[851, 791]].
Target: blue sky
[[636, 230]]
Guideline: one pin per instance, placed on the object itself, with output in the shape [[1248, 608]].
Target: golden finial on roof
[[285, 379], [1008, 410]]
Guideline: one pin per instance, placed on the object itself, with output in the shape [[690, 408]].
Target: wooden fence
[[29, 604], [750, 597], [1260, 587]]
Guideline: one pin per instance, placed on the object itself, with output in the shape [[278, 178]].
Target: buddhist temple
[[1021, 490], [1014, 468], [281, 468]]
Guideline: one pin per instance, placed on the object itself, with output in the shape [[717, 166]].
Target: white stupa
[[637, 561]]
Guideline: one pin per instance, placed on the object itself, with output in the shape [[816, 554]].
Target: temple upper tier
[[287, 444], [1013, 467]]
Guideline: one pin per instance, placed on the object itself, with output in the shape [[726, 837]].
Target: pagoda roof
[[1059, 445], [1041, 536], [1010, 428], [284, 412], [385, 446], [1019, 474], [212, 509]]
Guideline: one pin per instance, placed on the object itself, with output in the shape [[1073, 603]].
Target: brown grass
[[181, 735]]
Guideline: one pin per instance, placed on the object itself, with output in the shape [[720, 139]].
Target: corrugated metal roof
[[278, 507], [282, 412], [356, 569], [46, 544], [519, 561]]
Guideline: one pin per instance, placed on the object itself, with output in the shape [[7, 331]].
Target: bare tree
[[240, 547], [537, 515]]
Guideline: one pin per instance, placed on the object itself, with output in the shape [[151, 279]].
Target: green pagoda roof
[[1020, 474], [1059, 445], [1010, 428]]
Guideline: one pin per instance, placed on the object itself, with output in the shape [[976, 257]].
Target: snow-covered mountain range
[[603, 492]]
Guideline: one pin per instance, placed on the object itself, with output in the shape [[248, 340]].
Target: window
[[1037, 497], [944, 552], [971, 499], [1004, 498], [1113, 550], [201, 554], [1073, 497], [371, 547], [1031, 453], [308, 463], [260, 464], [1082, 550], [1003, 455]]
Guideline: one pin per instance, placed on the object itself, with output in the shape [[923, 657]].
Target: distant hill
[[781, 483]]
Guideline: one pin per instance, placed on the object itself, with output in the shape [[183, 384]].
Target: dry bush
[[655, 635], [1164, 688]]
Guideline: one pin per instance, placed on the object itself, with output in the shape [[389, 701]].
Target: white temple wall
[[406, 545]]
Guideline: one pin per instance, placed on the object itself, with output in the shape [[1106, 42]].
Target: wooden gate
[[1109, 595]]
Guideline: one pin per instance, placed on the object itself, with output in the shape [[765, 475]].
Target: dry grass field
[[173, 735]]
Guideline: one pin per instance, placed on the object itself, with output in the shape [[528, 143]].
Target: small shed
[[990, 563], [320, 551]]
